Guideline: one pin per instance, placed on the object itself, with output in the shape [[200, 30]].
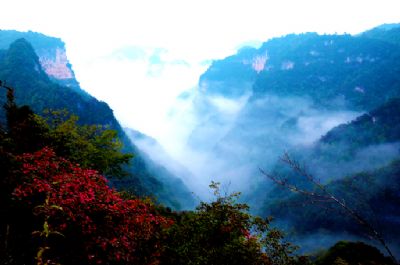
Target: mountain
[[358, 162], [21, 68], [330, 69], [336, 71], [154, 149], [252, 106], [381, 125], [386, 32], [43, 79], [370, 141], [229, 77], [164, 166], [373, 194]]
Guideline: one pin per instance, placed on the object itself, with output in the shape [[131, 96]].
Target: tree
[[223, 232], [82, 220], [28, 133], [92, 146]]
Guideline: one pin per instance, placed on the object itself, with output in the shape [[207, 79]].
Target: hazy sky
[[139, 55]]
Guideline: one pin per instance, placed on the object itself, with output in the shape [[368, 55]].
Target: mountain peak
[[21, 57], [23, 45]]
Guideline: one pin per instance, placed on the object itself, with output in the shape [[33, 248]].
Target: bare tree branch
[[326, 197]]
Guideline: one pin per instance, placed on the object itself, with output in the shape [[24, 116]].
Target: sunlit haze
[[138, 56]]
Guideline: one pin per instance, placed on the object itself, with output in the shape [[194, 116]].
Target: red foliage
[[114, 229]]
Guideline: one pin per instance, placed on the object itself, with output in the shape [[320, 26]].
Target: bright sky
[[139, 55]]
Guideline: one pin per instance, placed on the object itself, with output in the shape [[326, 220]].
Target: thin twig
[[326, 196]]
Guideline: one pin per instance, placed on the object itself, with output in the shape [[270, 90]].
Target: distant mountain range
[[37, 67]]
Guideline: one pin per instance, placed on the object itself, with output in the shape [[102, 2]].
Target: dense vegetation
[[335, 71], [381, 125], [47, 196], [386, 32]]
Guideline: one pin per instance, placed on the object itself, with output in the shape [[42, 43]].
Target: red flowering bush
[[78, 204]]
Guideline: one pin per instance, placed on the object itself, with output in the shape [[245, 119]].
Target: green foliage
[[93, 146], [223, 232]]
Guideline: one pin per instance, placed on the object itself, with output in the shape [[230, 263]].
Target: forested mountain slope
[[38, 84], [358, 163]]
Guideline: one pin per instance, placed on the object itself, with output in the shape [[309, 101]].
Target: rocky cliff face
[[56, 64]]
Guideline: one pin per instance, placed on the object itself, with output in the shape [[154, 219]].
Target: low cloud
[[143, 85], [229, 106], [227, 140], [313, 124], [365, 159]]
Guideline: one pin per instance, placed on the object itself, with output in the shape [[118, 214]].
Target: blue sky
[[138, 56]]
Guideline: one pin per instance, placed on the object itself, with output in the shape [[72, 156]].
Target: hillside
[[39, 84], [357, 162], [387, 32], [335, 71], [372, 194], [368, 142], [381, 125]]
